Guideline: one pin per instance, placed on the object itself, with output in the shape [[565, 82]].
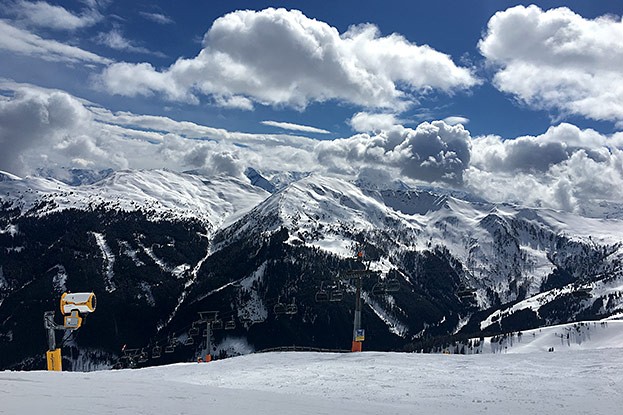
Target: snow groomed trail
[[573, 382]]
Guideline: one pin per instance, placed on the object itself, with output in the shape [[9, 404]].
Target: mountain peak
[[258, 180]]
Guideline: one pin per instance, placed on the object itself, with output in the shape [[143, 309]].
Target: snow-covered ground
[[568, 381]]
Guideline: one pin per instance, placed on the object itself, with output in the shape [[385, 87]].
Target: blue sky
[[450, 27], [535, 88]]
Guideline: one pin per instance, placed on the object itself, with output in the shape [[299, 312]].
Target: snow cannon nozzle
[[84, 303]]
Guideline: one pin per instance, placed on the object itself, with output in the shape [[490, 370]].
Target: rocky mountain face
[[161, 250]]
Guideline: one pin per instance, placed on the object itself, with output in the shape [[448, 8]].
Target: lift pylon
[[209, 318], [357, 275]]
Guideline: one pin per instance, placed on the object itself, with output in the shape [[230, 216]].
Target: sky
[[513, 101]]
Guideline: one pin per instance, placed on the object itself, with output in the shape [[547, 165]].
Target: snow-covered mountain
[[160, 194], [502, 249], [161, 246]]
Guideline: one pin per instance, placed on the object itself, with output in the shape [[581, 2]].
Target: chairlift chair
[[194, 330], [466, 292], [321, 295], [279, 308], [217, 324], [131, 352], [169, 348], [379, 288], [156, 352], [392, 285], [143, 356], [292, 308], [189, 341], [230, 325], [337, 294]]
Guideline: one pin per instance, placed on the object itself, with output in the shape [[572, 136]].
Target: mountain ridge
[[172, 244]]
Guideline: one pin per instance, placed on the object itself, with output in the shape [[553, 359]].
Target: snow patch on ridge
[[394, 325], [10, 229], [109, 262], [147, 294], [59, 280], [253, 309]]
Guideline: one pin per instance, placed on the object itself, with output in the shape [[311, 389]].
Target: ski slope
[[567, 382], [589, 335]]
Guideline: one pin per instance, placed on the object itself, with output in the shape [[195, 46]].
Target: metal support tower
[[358, 331], [358, 334], [208, 317]]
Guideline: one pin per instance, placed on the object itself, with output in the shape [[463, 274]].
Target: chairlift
[[131, 352], [465, 291], [292, 308], [466, 294], [169, 348], [189, 341], [156, 352], [194, 330], [230, 325], [392, 285], [217, 324], [321, 295], [379, 288], [337, 294], [143, 356], [279, 308]]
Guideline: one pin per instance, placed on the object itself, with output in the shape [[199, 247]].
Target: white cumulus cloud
[[432, 152], [49, 129], [564, 168], [364, 122], [280, 57], [48, 123], [558, 60]]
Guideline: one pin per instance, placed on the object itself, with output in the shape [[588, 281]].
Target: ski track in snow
[[394, 325], [109, 261]]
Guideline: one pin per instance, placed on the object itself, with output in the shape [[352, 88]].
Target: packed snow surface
[[567, 382]]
